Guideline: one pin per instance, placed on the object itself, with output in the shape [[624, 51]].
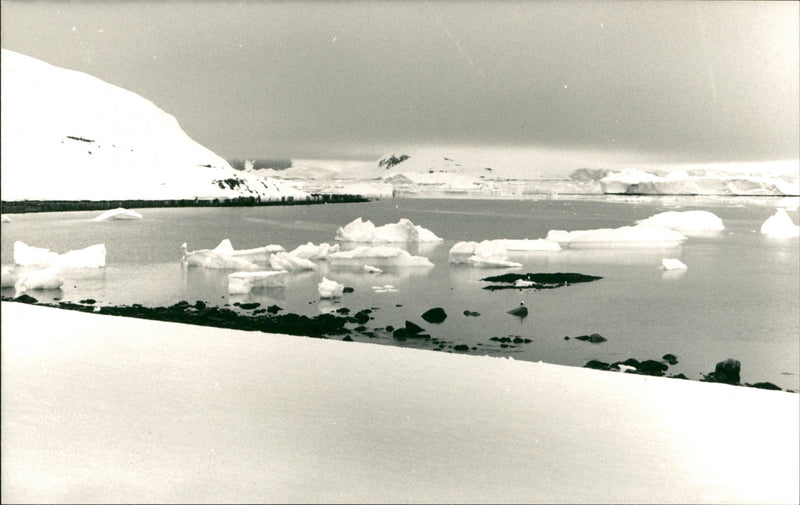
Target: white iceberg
[[780, 225], [329, 289], [222, 257], [625, 236], [314, 252], [240, 283], [118, 215], [290, 263], [486, 254], [5, 219], [404, 230], [386, 255], [44, 279], [90, 257], [8, 277], [372, 270], [690, 222], [673, 264], [528, 245]]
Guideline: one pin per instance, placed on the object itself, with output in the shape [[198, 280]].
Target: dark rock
[[343, 310], [88, 301], [631, 362], [594, 338], [726, 372], [249, 306], [199, 305], [651, 367], [389, 327], [597, 365], [670, 358], [347, 339], [461, 347], [679, 376], [765, 385], [348, 289], [518, 340], [471, 314], [413, 328], [566, 338], [25, 299], [540, 280], [435, 316], [361, 317], [274, 309]]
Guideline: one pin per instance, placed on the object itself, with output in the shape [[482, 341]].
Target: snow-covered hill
[[70, 136]]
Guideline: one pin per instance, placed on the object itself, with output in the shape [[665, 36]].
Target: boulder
[[594, 338], [435, 316], [652, 367], [726, 372]]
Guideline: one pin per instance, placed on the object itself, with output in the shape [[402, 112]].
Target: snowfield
[[105, 409], [70, 136]]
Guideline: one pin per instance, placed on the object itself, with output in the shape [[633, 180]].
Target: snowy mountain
[[70, 136]]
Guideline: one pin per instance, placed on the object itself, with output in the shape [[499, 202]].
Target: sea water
[[739, 298]]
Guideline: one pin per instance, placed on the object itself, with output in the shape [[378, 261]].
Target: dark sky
[[684, 80]]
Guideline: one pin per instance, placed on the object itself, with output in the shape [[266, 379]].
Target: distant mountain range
[[70, 136]]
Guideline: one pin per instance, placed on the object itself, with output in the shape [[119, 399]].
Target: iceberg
[[5, 219], [8, 277], [314, 252], [240, 283], [44, 279], [698, 182], [290, 263], [372, 270], [625, 236], [673, 264], [780, 225], [119, 214], [387, 255], [222, 257], [527, 245], [90, 257], [486, 254], [403, 231], [690, 222], [329, 289]]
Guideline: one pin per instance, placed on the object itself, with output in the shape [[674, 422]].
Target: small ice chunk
[[291, 263], [404, 230], [47, 278], [522, 283], [626, 368], [244, 282], [780, 225], [690, 222], [673, 264], [314, 252], [329, 289], [118, 215], [461, 252], [5, 219], [372, 270], [388, 255], [486, 254]]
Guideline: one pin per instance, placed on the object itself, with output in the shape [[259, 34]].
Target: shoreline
[[108, 409], [33, 206]]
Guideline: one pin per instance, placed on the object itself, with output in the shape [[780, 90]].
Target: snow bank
[[240, 283], [383, 255], [690, 222], [403, 231], [329, 289], [106, 409], [673, 264], [625, 236], [314, 252], [44, 279], [93, 256], [118, 214], [780, 225]]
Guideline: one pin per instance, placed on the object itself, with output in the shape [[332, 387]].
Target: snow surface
[[404, 230], [329, 289], [106, 409], [240, 283], [780, 225], [689, 222], [70, 136], [118, 214], [93, 256], [383, 255]]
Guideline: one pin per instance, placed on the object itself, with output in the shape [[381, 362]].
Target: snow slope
[[102, 409], [70, 136]]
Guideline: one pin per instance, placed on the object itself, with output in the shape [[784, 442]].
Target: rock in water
[[726, 372], [594, 338], [436, 315], [521, 311]]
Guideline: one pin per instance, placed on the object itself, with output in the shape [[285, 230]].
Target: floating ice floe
[[372, 270], [386, 288], [385, 255], [47, 278], [243, 282], [314, 252], [404, 230], [780, 225], [290, 262], [673, 264], [690, 222], [625, 236], [329, 289], [93, 256], [528, 245], [5, 219], [118, 215], [224, 256], [486, 254]]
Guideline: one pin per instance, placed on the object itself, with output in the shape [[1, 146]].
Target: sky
[[713, 81]]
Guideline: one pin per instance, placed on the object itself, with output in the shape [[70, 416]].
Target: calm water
[[740, 297]]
